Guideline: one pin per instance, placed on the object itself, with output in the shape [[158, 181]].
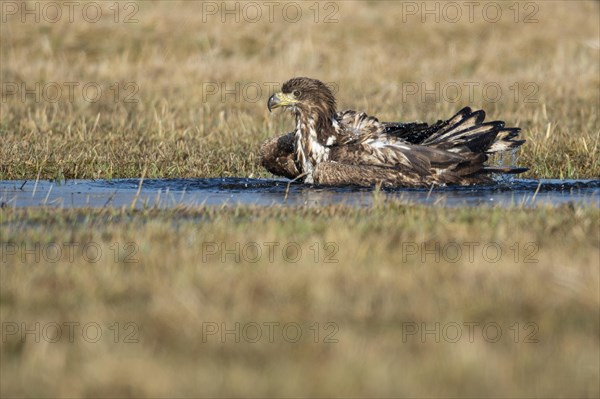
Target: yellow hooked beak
[[280, 100]]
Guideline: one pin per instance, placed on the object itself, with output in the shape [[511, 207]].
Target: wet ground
[[166, 193]]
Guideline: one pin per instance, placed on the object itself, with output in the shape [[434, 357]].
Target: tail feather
[[467, 131], [463, 120], [466, 134], [477, 138], [504, 140]]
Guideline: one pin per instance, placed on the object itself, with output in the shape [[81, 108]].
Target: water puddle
[[166, 193]]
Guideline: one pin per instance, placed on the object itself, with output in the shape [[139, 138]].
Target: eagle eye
[[296, 93]]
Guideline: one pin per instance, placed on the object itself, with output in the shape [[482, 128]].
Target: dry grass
[[177, 128], [377, 286]]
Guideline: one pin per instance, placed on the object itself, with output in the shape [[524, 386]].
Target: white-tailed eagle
[[348, 147]]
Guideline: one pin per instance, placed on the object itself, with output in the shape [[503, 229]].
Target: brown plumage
[[348, 147]]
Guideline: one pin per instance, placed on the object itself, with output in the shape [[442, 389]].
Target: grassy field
[[380, 277], [172, 88], [391, 301]]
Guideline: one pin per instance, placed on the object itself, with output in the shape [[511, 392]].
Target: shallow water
[[166, 193]]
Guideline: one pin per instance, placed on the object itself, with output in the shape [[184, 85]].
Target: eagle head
[[304, 96]]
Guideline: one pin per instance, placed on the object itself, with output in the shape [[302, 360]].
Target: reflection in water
[[165, 193]]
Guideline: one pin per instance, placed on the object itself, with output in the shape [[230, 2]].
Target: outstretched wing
[[465, 131], [388, 151], [459, 145]]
